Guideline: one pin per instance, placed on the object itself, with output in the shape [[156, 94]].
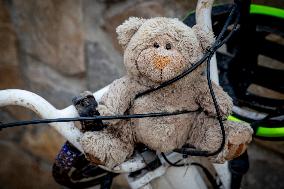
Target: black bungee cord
[[207, 173], [207, 56], [130, 116]]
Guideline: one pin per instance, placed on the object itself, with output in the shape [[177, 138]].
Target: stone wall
[[58, 49]]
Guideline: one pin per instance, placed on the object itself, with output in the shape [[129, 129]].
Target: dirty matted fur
[[156, 50]]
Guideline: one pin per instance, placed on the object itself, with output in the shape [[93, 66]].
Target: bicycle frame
[[68, 130]]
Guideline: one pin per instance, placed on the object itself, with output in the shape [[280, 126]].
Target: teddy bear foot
[[238, 137], [101, 148]]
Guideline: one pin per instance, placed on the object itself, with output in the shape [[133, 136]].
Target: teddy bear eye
[[156, 45], [168, 46]]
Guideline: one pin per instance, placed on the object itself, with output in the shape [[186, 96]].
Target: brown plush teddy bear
[[156, 50]]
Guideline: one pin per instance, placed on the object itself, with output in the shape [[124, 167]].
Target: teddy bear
[[156, 50]]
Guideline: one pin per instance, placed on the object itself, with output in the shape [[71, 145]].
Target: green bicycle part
[[266, 10], [233, 118], [262, 130], [270, 132], [256, 9]]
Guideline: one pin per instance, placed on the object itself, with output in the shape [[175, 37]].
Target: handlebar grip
[[86, 105]]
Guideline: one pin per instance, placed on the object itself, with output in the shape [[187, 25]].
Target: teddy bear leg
[[239, 135], [206, 135], [104, 148]]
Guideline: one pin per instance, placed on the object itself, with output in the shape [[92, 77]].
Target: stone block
[[20, 170], [56, 88], [117, 14], [42, 142], [51, 31], [8, 39], [101, 70]]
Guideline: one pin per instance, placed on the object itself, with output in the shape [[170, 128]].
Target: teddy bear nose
[[160, 62]]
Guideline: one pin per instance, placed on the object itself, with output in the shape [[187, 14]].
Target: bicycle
[[154, 170]]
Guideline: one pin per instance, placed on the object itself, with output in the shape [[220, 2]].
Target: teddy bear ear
[[206, 38], [127, 29]]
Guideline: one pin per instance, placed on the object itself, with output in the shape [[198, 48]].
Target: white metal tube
[[203, 14], [203, 18], [44, 109]]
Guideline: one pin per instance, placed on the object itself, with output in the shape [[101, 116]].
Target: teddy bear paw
[[102, 148], [90, 145], [238, 139]]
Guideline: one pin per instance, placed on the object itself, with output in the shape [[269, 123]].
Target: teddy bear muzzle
[[160, 62]]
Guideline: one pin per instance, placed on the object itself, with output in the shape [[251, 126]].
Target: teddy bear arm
[[204, 99], [117, 99]]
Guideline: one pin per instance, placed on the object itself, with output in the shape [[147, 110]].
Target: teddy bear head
[[158, 49]]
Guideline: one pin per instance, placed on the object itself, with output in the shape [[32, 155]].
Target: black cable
[[107, 181], [217, 112], [171, 163], [207, 173], [131, 116], [227, 22], [234, 29], [209, 176]]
